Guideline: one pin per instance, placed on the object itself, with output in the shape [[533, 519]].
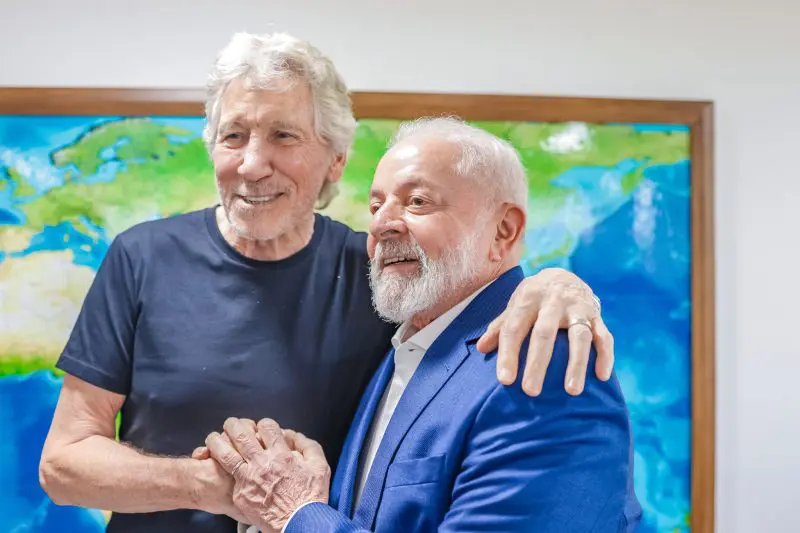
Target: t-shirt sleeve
[[100, 347]]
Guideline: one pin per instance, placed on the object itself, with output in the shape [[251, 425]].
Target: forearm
[[100, 473]]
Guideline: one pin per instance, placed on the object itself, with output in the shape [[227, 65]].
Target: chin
[[397, 277], [261, 230], [258, 232]]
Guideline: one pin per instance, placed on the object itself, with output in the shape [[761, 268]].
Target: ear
[[336, 168], [509, 231]]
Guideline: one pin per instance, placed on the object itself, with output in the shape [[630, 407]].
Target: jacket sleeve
[[321, 518], [550, 464]]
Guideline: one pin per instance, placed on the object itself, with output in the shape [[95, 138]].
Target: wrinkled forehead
[[282, 100]]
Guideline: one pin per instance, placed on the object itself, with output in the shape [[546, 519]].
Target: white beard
[[397, 298]]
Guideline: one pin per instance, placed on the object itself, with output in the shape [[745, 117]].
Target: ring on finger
[[238, 466], [580, 321]]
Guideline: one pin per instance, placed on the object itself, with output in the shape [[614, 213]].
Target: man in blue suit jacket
[[437, 443]]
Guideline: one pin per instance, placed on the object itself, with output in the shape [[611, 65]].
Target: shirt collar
[[425, 337]]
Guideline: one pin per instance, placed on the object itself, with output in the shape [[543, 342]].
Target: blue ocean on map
[[27, 403], [629, 246]]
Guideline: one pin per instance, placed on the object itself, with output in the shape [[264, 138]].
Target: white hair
[[264, 59], [490, 160]]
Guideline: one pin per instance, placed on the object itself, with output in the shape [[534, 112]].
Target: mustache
[[394, 248]]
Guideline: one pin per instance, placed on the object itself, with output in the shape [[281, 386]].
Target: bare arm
[[82, 464]]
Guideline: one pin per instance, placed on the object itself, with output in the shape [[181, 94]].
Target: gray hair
[[263, 59], [484, 157]]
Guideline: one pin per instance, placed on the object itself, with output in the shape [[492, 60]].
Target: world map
[[609, 202]]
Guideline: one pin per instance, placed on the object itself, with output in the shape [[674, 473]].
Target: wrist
[[197, 482]]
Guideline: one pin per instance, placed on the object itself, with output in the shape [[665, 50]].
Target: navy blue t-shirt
[[193, 332]]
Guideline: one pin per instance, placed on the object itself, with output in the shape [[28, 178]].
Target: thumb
[[201, 453], [489, 340]]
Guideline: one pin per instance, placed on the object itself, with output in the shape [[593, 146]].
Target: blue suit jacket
[[464, 453]]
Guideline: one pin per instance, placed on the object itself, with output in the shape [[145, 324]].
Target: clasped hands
[[274, 470]]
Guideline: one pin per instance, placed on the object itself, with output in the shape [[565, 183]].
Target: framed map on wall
[[620, 193]]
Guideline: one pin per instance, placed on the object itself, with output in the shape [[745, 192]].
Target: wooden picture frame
[[696, 115]]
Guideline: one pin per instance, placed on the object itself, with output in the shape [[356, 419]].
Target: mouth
[[400, 263], [260, 200]]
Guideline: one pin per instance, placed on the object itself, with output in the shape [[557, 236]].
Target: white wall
[[743, 55]]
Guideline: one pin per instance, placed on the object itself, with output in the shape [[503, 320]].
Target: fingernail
[[505, 376], [572, 386], [530, 389]]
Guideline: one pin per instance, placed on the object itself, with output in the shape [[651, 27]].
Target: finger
[[225, 454], [580, 343], [604, 344], [510, 332], [289, 438], [513, 332], [488, 341], [201, 452], [252, 424], [309, 448], [243, 437], [272, 435], [540, 349]]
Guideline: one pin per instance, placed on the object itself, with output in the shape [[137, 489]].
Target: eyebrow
[[235, 121], [276, 124]]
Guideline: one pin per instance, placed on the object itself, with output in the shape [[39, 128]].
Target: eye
[[284, 135], [417, 201], [373, 207], [232, 137]]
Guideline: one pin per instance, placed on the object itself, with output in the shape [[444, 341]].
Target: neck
[[420, 320], [281, 247]]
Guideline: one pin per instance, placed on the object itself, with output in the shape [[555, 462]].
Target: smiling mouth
[[398, 260], [260, 200]]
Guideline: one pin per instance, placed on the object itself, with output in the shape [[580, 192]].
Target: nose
[[257, 160], [387, 222]]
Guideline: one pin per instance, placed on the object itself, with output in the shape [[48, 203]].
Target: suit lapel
[[343, 494], [441, 360]]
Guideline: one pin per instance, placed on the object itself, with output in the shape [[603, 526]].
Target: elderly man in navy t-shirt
[[254, 308]]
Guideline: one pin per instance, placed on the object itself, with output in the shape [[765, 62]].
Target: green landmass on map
[[369, 145], [132, 139], [25, 364], [14, 180], [162, 178]]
